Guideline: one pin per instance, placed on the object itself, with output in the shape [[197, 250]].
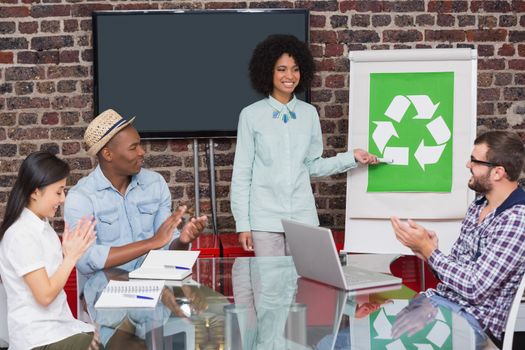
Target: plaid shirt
[[486, 263]]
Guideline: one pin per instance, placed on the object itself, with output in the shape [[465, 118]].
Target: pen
[[137, 296], [176, 267], [385, 160]]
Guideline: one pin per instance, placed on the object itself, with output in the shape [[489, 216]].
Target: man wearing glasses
[[481, 274]]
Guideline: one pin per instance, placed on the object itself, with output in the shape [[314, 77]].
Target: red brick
[[404, 21], [51, 42], [40, 11], [141, 6], [521, 50], [487, 35], [69, 148], [317, 21], [466, 20], [85, 10], [50, 26], [38, 57], [358, 36], [7, 27], [402, 36], [6, 57], [28, 27], [69, 56], [272, 4], [24, 73], [50, 118], [493, 64], [67, 72], [24, 88], [503, 79], [322, 6], [33, 133], [225, 5], [77, 101], [485, 50], [506, 50], [333, 111], [519, 78], [325, 65], [45, 87], [490, 6], [445, 20], [316, 50], [450, 35], [486, 108], [69, 133], [516, 36], [485, 79], [322, 36], [335, 81], [13, 43], [14, 11], [381, 20], [447, 6], [333, 50], [321, 95], [517, 64], [508, 20], [487, 22], [337, 21], [360, 20], [490, 94]]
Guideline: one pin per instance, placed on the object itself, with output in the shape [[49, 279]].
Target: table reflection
[[261, 303]]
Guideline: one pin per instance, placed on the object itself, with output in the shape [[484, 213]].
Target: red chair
[[230, 246], [208, 244], [71, 292], [408, 267]]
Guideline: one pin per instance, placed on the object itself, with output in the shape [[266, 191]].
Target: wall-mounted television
[[183, 73]]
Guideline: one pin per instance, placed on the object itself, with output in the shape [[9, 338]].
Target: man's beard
[[480, 184]]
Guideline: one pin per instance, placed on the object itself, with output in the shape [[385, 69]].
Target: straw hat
[[101, 129]]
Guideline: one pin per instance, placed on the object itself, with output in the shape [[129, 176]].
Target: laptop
[[316, 258]]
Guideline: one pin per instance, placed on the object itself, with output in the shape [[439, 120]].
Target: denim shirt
[[121, 219], [273, 164]]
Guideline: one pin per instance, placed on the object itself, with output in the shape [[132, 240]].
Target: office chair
[[513, 315]]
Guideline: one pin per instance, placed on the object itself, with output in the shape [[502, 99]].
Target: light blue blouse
[[273, 164]]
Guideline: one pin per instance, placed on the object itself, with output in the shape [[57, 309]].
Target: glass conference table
[[261, 303]]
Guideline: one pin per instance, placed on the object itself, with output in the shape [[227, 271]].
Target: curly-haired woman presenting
[[279, 146]]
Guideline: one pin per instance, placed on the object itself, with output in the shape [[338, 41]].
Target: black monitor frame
[[172, 134]]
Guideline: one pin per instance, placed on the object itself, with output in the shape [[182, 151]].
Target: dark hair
[[506, 149], [267, 52], [37, 171]]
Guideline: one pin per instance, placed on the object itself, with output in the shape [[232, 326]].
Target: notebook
[[166, 265], [315, 257], [130, 294]]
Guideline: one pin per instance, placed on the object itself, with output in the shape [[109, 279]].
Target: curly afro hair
[[267, 53]]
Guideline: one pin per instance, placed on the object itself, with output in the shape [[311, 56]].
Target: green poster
[[410, 123]]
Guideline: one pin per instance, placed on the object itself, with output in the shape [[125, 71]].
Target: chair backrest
[[4, 335], [513, 316]]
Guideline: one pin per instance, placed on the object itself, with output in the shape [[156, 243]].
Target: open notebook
[[166, 265], [130, 294]]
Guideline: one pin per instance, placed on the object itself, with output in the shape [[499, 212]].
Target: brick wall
[[46, 70]]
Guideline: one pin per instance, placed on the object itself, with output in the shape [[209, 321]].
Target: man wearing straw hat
[[131, 205]]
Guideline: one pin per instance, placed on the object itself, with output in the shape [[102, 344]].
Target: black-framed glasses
[[482, 162]]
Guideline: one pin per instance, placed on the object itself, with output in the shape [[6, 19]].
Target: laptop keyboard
[[357, 276]]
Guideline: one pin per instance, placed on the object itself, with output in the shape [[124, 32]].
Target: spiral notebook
[[130, 294]]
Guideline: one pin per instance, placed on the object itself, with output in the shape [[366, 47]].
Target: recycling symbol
[[424, 154]]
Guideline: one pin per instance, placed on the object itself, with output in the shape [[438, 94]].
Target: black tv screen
[[183, 73]]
